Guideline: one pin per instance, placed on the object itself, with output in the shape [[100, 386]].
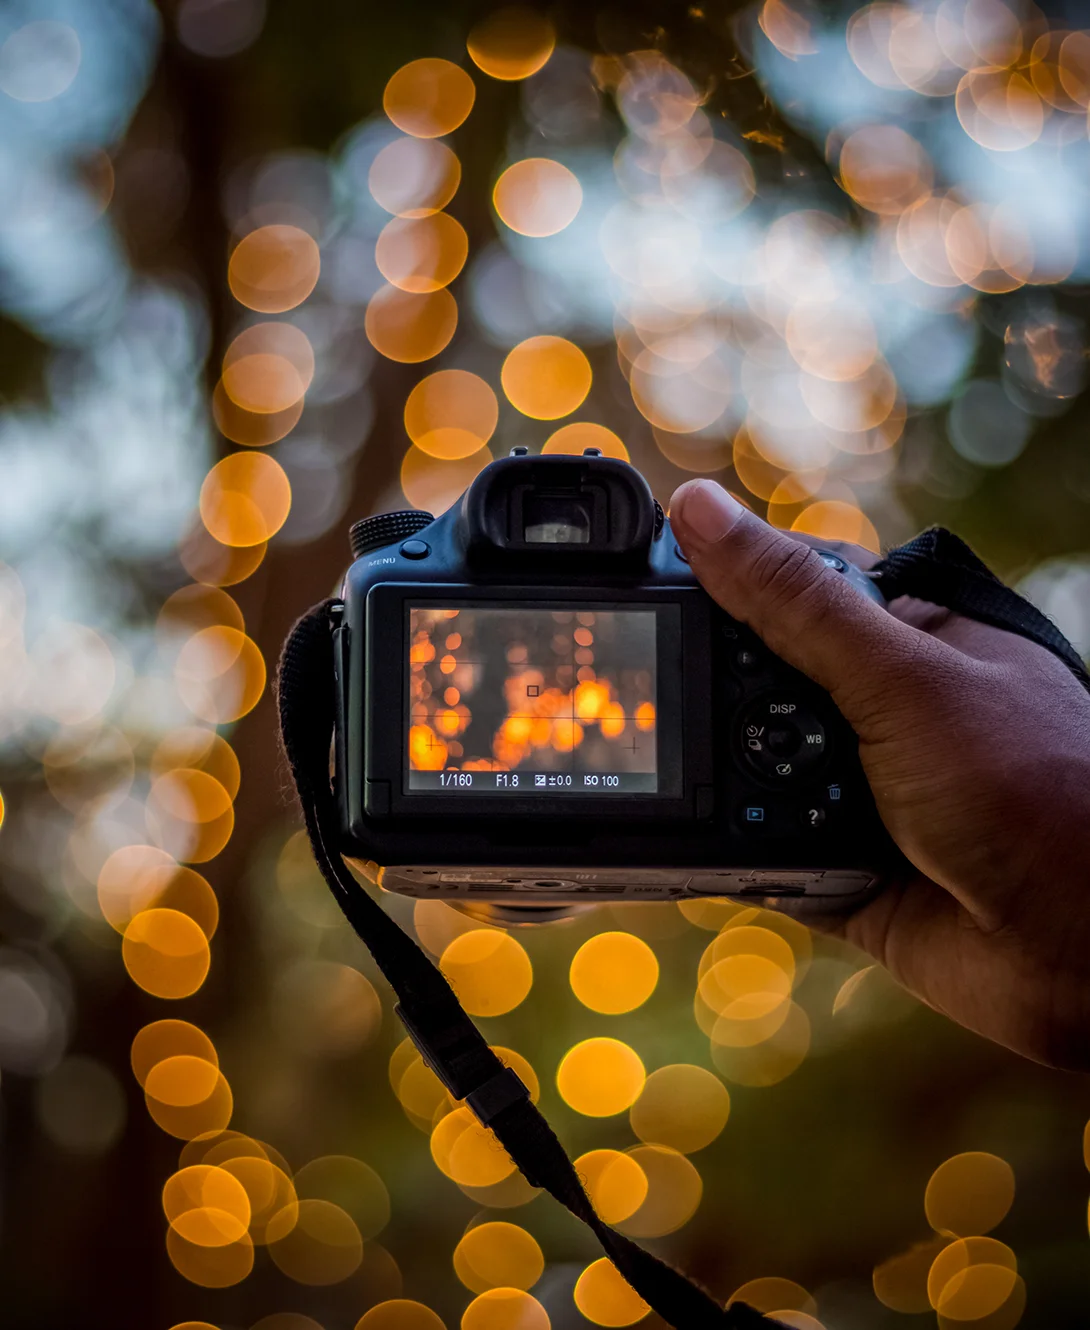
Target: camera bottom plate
[[558, 886]]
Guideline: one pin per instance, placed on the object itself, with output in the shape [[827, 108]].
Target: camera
[[538, 704]]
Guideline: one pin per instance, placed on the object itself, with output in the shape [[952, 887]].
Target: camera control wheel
[[782, 738], [373, 533]]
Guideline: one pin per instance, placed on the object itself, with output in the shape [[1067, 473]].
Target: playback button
[[782, 738]]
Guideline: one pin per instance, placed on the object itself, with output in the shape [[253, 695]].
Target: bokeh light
[[901, 1282], [245, 499], [496, 1254], [770, 1293], [352, 1185], [614, 972], [206, 559], [326, 1009], [615, 1182], [433, 484], [489, 971], [546, 377], [969, 1194], [414, 177], [421, 254], [582, 434], [267, 369], [674, 1191], [511, 43], [206, 1205], [39, 61], [505, 1309], [159, 1040], [211, 1267], [320, 1245], [188, 1096], [974, 1295], [451, 414], [410, 327], [681, 1106], [605, 1297], [400, 1314], [220, 674], [166, 953], [770, 1058], [273, 269], [428, 98], [537, 197], [468, 1153], [600, 1077]]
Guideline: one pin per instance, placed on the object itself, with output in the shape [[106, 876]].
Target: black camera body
[[537, 704]]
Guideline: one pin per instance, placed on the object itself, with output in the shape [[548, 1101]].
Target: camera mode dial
[[782, 738], [372, 533]]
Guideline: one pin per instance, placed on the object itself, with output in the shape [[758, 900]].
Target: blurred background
[[268, 268]]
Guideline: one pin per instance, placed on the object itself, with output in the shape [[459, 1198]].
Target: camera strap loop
[[449, 1042]]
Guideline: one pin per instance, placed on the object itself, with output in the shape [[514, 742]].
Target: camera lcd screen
[[532, 701]]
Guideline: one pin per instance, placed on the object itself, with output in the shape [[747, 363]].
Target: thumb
[[807, 613]]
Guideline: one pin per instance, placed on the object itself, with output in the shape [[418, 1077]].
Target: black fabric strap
[[939, 567], [447, 1039], [936, 566]]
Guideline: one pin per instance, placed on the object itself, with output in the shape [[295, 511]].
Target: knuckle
[[786, 574]]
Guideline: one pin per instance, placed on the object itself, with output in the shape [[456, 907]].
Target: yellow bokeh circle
[[498, 1255], [428, 98], [421, 254], [600, 1077], [959, 1256], [616, 1184], [511, 43], [468, 1153], [451, 414], [674, 1190], [969, 1194], [605, 1297], [489, 971], [160, 1040], [206, 1205], [537, 197], [245, 499], [582, 434], [166, 953], [681, 1106], [268, 368], [410, 327], [434, 484], [220, 674], [614, 972], [546, 377], [770, 1293], [505, 1309], [274, 268]]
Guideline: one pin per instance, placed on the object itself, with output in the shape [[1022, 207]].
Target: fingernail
[[705, 509]]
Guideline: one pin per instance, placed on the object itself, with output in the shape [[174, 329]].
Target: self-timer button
[[782, 738]]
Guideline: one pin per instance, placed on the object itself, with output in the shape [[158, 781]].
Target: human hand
[[976, 744]]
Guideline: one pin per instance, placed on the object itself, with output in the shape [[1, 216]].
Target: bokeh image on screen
[[529, 700]]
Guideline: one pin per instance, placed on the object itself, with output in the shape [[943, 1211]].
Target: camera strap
[[447, 1039], [936, 566], [939, 567]]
